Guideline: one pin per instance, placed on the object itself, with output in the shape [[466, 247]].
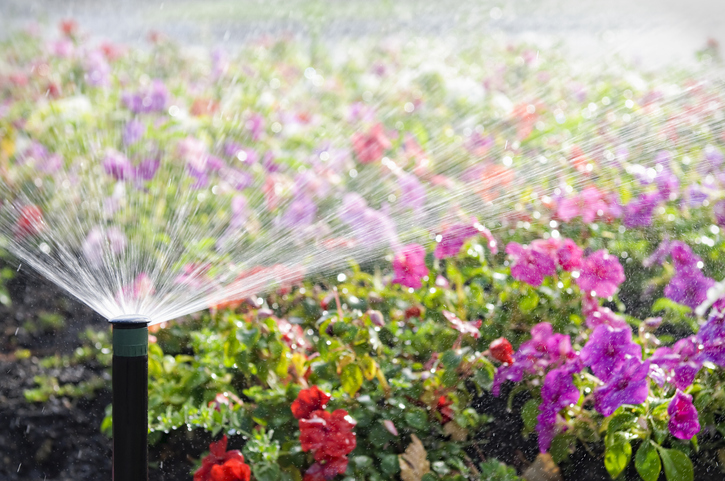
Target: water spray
[[130, 398]]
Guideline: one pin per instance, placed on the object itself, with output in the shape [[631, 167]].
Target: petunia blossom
[[627, 385], [409, 266], [683, 423], [370, 147], [608, 349], [452, 239], [601, 274], [680, 363], [557, 393], [530, 265], [471, 327]]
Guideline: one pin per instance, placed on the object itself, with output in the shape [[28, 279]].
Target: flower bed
[[565, 305]]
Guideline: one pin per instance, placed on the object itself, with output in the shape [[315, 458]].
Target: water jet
[[130, 397]]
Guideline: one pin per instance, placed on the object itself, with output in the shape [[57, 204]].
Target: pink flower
[[589, 205], [530, 265], [371, 146], [453, 239], [601, 274], [409, 266], [462, 326]]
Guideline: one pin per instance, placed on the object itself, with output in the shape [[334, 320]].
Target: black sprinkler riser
[[130, 399]]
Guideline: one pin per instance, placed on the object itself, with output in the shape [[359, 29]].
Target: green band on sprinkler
[[131, 342]]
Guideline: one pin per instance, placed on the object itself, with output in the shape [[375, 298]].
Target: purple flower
[[544, 350], [608, 349], [719, 210], [237, 179], [100, 243], [557, 393], [453, 239], [133, 132], [255, 125], [146, 169], [117, 165], [409, 266], [683, 258], [628, 385], [668, 184], [530, 265], [300, 213], [659, 255], [712, 335], [479, 144], [695, 195], [98, 72], [240, 211], [680, 363], [153, 99], [688, 287], [638, 213], [412, 192], [713, 156], [601, 274], [51, 164], [683, 422]]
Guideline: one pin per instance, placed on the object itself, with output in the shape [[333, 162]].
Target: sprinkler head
[[130, 320]]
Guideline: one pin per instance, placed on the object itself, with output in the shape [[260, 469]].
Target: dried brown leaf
[[543, 469], [414, 462], [456, 432]]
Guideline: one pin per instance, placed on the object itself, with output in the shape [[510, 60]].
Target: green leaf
[[417, 418], [678, 466], [529, 302], [647, 462], [620, 422], [351, 378], [617, 455], [451, 360], [529, 413], [266, 472]]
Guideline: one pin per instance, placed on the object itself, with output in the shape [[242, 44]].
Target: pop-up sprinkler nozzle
[[130, 398]]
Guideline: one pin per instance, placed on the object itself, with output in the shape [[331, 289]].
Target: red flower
[[69, 27], [223, 465], [471, 327], [501, 350], [371, 146], [29, 223], [443, 408], [326, 469], [329, 435], [309, 401]]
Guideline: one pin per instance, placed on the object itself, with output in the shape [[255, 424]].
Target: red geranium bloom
[[501, 350], [30, 222], [223, 465], [329, 435], [309, 401], [443, 408], [326, 469], [371, 146]]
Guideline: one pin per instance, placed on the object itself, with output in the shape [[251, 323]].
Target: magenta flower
[[530, 265], [718, 209], [409, 266], [608, 349], [628, 385], [659, 255], [569, 255], [453, 239], [601, 274], [683, 422], [680, 363], [146, 169], [683, 259], [98, 72]]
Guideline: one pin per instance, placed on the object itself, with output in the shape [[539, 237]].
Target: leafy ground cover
[[581, 329]]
